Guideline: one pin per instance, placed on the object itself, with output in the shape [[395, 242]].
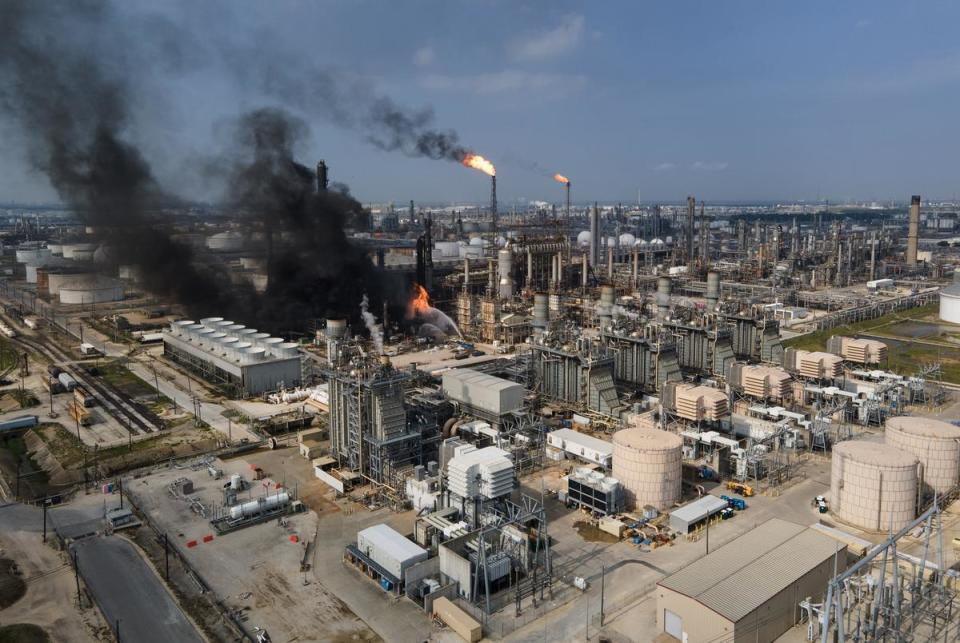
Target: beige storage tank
[[873, 486], [935, 443], [648, 463]]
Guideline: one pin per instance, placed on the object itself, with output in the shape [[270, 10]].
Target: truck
[[735, 503], [821, 504], [741, 488]]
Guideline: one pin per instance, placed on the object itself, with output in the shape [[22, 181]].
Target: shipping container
[[21, 422]]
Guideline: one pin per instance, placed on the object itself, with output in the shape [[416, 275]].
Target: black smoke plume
[[71, 73]]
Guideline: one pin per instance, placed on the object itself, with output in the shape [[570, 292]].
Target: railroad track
[[135, 420]]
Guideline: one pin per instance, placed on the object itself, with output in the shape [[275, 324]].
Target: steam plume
[[376, 334]]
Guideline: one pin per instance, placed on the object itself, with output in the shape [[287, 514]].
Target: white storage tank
[[649, 464], [935, 443], [873, 486]]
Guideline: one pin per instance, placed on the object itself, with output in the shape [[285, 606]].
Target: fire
[[477, 162], [560, 178], [420, 304]]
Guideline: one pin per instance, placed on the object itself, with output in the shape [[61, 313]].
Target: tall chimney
[[594, 235], [913, 231], [691, 206], [704, 238], [493, 201], [322, 181], [568, 200]]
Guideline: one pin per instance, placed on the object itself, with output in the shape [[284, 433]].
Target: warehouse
[[749, 589], [241, 359]]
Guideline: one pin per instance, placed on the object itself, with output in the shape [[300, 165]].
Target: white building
[[232, 355], [584, 447]]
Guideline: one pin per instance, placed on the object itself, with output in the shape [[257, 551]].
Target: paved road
[[128, 590]]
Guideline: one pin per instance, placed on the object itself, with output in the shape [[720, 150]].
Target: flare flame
[[477, 162], [561, 179]]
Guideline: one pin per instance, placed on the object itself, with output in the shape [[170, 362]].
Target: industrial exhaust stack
[[913, 231]]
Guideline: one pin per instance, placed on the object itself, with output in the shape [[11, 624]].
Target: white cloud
[[553, 42], [665, 166], [508, 80], [424, 56], [710, 166]]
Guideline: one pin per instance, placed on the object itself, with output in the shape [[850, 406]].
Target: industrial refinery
[[242, 400]]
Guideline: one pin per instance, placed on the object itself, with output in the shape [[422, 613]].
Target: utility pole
[[76, 575], [603, 577], [166, 556], [708, 534], [156, 381], [45, 501]]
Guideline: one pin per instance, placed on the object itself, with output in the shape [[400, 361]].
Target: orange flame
[[420, 304], [477, 162], [561, 178]]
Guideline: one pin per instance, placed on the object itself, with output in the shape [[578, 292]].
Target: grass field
[[906, 355]]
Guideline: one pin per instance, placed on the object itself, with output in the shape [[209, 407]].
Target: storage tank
[[259, 505], [935, 443], [873, 486], [505, 273], [663, 297], [68, 382], [648, 463]]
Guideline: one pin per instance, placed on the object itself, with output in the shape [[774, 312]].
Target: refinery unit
[[626, 371]]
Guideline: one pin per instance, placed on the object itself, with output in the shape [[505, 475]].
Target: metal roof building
[[689, 516], [749, 589], [582, 446]]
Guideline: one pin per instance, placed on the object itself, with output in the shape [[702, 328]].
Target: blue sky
[[724, 100]]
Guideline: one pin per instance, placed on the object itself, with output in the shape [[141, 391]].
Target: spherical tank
[[648, 463], [873, 486], [583, 238], [936, 444]]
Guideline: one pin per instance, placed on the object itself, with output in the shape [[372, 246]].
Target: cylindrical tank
[[255, 354], [935, 443], [257, 338], [541, 310], [873, 486], [68, 382], [648, 463], [713, 289], [259, 505], [236, 481], [202, 336], [505, 273], [210, 321]]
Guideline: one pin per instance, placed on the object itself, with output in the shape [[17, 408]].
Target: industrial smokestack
[[704, 238], [913, 231], [568, 199], [493, 201], [594, 235], [691, 207], [322, 180]]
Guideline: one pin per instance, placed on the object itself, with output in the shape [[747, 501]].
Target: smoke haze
[[73, 77]]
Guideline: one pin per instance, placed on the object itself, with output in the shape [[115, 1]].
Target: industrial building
[[386, 555], [581, 446], [233, 356], [749, 589]]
